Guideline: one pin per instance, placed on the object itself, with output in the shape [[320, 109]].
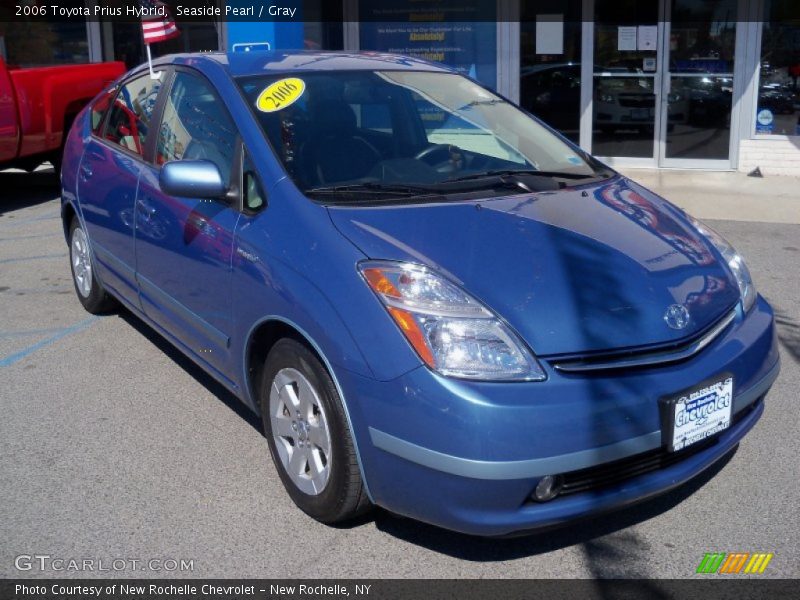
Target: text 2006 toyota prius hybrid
[[437, 304]]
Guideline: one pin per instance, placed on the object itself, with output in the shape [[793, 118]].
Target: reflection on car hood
[[572, 271]]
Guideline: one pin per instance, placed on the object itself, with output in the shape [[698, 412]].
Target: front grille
[[633, 359], [608, 474]]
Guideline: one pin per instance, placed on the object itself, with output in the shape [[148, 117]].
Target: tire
[[89, 290], [56, 160], [313, 440], [58, 156]]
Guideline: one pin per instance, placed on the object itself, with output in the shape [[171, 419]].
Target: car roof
[[264, 62]]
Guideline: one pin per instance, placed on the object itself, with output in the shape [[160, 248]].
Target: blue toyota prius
[[436, 304]]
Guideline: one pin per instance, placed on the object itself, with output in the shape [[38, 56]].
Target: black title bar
[[330, 11], [700, 586]]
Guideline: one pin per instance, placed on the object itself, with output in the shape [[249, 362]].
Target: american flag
[[157, 28]]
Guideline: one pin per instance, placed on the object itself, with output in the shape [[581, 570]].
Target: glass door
[[626, 80], [662, 82], [697, 95]]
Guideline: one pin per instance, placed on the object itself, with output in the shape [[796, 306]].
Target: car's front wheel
[[308, 435], [90, 292]]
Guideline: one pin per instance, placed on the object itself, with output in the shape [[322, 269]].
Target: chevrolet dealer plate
[[697, 414]]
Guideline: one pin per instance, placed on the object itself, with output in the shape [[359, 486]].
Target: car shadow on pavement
[[599, 535], [203, 378], [22, 190], [788, 333]]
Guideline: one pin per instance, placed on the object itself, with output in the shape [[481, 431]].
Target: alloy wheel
[[300, 431], [81, 262]]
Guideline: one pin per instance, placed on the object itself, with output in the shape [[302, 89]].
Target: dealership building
[[688, 84]]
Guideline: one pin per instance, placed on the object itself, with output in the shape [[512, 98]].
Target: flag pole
[[150, 63]]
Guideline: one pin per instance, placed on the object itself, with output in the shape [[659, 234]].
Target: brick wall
[[773, 156]]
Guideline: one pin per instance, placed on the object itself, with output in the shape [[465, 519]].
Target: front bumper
[[467, 456]]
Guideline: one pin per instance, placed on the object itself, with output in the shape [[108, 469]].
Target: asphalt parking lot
[[114, 445]]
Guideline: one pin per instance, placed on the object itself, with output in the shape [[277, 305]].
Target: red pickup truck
[[37, 106]]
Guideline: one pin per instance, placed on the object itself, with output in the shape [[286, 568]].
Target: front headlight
[[734, 260], [453, 333]]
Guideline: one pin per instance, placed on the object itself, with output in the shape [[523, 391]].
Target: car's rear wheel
[[90, 292], [308, 435]]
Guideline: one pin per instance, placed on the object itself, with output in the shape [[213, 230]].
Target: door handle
[[86, 172]]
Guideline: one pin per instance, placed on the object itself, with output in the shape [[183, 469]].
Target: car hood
[[574, 271]]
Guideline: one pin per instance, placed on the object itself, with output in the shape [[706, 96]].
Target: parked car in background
[[435, 304], [552, 92], [781, 99], [630, 103], [38, 105], [709, 99]]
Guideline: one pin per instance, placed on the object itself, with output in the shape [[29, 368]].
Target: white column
[[587, 75]]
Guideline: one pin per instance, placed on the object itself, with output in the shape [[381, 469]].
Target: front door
[[183, 245], [663, 82]]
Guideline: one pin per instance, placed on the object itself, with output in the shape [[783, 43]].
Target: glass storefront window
[[778, 110], [550, 63], [322, 25], [39, 43], [414, 28], [127, 44]]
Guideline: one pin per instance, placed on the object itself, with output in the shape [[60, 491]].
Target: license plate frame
[[697, 413]]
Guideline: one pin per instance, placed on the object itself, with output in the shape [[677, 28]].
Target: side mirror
[[192, 179]]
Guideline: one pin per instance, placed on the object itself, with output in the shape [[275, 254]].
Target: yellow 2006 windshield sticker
[[280, 94]]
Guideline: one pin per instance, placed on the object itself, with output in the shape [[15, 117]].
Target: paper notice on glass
[[626, 39], [549, 34], [648, 37]]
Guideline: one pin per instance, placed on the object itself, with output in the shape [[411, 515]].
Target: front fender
[[286, 296], [289, 261]]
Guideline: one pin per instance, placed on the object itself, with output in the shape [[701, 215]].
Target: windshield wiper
[[514, 172], [373, 188]]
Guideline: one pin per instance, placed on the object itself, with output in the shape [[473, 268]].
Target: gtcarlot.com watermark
[[46, 562]]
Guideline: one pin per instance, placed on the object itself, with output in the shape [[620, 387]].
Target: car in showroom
[[436, 304]]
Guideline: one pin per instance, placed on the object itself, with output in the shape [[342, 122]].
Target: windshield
[[344, 136]]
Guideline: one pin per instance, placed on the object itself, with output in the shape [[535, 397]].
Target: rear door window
[[129, 121]]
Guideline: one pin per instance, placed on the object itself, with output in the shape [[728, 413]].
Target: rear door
[[184, 245], [108, 177]]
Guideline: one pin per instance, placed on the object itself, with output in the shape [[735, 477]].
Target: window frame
[[243, 153], [110, 92]]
